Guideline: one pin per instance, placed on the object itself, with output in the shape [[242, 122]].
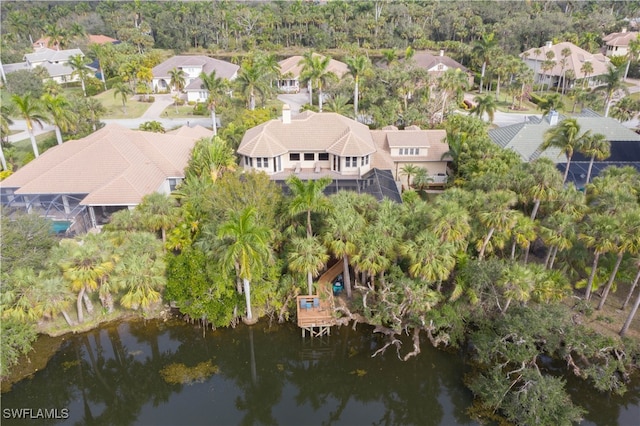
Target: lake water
[[127, 373]]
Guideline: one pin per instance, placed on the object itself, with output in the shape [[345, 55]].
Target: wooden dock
[[315, 312]]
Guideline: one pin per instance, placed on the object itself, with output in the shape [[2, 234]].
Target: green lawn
[[184, 111], [113, 105], [21, 150]]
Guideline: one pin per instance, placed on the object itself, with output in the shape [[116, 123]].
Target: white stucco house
[[290, 70], [617, 44], [56, 62], [192, 67]]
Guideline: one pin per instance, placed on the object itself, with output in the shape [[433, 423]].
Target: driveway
[[295, 100]]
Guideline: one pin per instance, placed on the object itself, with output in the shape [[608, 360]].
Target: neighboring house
[[192, 67], [526, 139], [313, 145], [436, 65], [573, 67], [91, 38], [81, 182], [617, 44], [290, 70], [54, 61]]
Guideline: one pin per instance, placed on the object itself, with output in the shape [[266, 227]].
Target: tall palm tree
[[308, 197], [625, 109], [552, 102], [343, 225], [518, 282], [612, 83], [80, 66], [452, 81], [339, 104], [214, 86], [496, 215], [632, 314], [409, 170], [483, 50], [246, 249], [450, 222], [144, 76], [142, 277], [430, 259], [587, 70], [599, 234], [6, 109], [566, 52], [565, 136], [315, 68], [485, 105], [305, 75], [632, 53], [596, 146], [31, 111], [251, 81], [627, 241], [358, 66], [124, 91], [61, 115], [307, 256], [178, 79]]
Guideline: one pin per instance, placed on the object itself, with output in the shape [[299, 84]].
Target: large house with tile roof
[[82, 182], [526, 139], [617, 44], [291, 68], [436, 65], [573, 67], [192, 67], [313, 145]]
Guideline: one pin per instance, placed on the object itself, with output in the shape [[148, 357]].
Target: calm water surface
[[264, 375]]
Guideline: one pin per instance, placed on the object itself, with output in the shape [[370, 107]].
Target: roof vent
[[553, 118], [548, 44]]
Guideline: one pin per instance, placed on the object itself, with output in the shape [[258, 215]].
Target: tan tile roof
[[114, 166], [223, 69], [292, 66], [575, 61], [311, 132], [620, 39], [428, 61], [434, 140]]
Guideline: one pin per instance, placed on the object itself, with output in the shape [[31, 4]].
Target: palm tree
[[251, 80], [599, 234], [80, 66], [409, 170], [632, 52], [6, 109], [597, 147], [450, 222], [453, 81], [95, 109], [566, 52], [142, 276], [307, 256], [430, 259], [632, 314], [518, 282], [625, 109], [523, 234], [358, 66], [485, 105], [565, 136], [305, 75], [144, 76], [61, 115], [627, 241], [178, 79], [421, 180], [587, 70], [343, 225], [308, 197], [633, 285], [542, 183], [483, 50], [339, 104], [159, 212], [214, 86], [390, 56], [496, 215], [31, 111], [123, 90], [612, 83], [246, 249]]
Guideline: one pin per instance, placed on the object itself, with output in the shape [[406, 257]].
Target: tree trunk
[[566, 172], [310, 283], [553, 257], [632, 314], [79, 306], [612, 277], [346, 275], [536, 206], [506, 305], [485, 243], [58, 135], [526, 253], [513, 249], [320, 99], [3, 160], [633, 287], [310, 90], [546, 260], [587, 294], [67, 318], [247, 295], [213, 122], [84, 90], [87, 302], [34, 145], [355, 100], [309, 230], [484, 67], [589, 171]]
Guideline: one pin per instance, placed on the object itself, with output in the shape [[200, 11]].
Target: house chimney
[[553, 118], [441, 52], [286, 114], [624, 30], [548, 44]]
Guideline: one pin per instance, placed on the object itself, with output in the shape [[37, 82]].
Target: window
[[262, 162], [323, 156], [294, 156], [173, 183], [309, 156], [409, 151], [351, 161]]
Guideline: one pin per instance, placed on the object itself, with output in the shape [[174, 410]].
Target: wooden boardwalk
[[315, 312]]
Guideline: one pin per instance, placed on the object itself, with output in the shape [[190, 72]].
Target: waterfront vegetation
[[507, 263]]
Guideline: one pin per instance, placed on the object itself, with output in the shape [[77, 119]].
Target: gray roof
[[9, 68], [526, 138], [223, 69], [50, 55]]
